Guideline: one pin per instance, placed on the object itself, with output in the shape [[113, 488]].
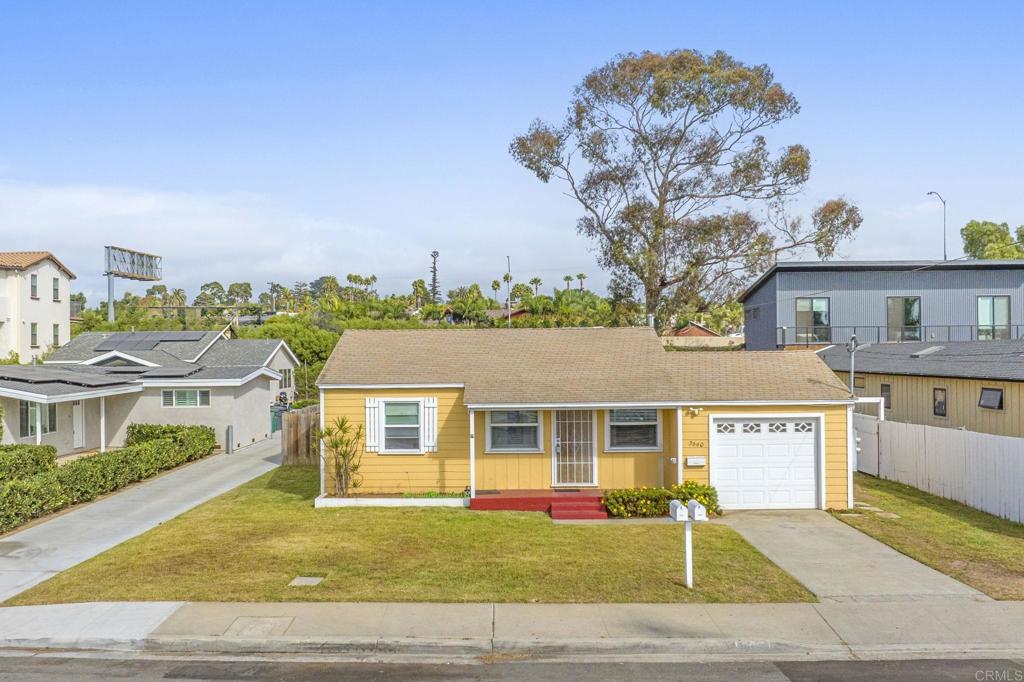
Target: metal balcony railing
[[813, 336]]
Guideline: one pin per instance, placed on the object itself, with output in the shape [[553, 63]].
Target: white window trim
[[488, 448], [608, 434], [383, 450], [174, 399], [48, 427]]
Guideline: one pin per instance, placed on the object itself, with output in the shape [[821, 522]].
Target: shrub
[[89, 477], [652, 502], [299, 404], [140, 433], [22, 461]]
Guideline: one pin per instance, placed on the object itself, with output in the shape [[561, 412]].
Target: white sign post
[[692, 511]]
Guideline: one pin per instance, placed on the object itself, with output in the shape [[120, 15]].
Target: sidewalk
[[828, 631], [30, 556]]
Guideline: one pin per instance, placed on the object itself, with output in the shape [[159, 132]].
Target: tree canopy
[[667, 157], [992, 241]]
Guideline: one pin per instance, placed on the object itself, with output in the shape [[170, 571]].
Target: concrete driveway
[[30, 556], [839, 563]]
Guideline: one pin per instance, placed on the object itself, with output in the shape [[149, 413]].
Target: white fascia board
[[68, 397], [203, 383], [388, 386], [118, 354], [624, 405], [288, 349]]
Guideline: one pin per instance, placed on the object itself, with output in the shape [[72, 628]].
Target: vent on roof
[[926, 351]]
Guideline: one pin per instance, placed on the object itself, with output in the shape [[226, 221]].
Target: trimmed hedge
[[87, 478], [652, 502], [22, 461]]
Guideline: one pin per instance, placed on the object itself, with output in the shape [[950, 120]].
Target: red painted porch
[[561, 504]]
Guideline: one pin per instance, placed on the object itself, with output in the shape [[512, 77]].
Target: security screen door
[[574, 447]]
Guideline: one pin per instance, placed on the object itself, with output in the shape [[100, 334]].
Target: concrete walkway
[[30, 556], [839, 563], [370, 631]]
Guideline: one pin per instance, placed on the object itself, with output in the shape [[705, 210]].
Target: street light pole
[[944, 256]]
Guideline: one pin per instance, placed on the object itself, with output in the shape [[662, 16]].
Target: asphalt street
[[58, 669]]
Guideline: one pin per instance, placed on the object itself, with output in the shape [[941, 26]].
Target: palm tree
[[176, 297], [495, 287], [581, 276], [535, 283], [568, 281]]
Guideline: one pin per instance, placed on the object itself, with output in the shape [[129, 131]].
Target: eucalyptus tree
[[667, 156]]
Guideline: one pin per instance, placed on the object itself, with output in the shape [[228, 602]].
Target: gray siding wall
[[759, 317], [859, 298], [280, 361], [63, 437]]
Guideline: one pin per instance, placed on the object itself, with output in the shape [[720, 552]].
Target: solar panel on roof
[[145, 340]]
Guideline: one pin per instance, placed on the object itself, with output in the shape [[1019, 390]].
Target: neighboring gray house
[[89, 390], [820, 303]]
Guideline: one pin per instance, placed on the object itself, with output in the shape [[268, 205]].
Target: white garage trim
[[819, 417]]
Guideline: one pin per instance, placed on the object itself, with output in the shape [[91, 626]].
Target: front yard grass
[[248, 544], [976, 548]]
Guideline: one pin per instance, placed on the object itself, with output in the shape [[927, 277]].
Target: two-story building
[[35, 306], [814, 304]]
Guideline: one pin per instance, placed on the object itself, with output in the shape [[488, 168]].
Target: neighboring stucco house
[[89, 390], [978, 386], [35, 303], [547, 410], [813, 304]]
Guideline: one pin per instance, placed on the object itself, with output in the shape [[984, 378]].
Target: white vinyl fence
[[978, 469]]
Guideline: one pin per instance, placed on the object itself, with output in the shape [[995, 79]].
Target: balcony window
[[903, 317], [812, 320], [993, 317]]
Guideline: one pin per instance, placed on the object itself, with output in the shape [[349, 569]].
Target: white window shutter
[[430, 424], [372, 426]]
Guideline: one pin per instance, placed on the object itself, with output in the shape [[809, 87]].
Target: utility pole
[[944, 255], [851, 348], [508, 289]]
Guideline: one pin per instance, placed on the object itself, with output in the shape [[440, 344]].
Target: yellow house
[[518, 413], [972, 385]]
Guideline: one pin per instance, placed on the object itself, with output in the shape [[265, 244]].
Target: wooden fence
[[298, 435], [980, 470]]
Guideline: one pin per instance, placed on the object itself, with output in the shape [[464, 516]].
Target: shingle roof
[[235, 352], [19, 260], [1001, 360], [527, 366]]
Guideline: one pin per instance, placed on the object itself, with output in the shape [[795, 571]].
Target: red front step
[[578, 509]]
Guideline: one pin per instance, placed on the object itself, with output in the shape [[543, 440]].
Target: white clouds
[[246, 237]]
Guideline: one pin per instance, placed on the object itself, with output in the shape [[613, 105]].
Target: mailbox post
[[692, 511]]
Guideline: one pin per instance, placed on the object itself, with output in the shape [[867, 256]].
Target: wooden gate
[[298, 436]]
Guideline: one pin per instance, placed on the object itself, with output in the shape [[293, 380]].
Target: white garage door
[[762, 463]]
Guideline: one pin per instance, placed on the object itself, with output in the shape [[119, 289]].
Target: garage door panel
[[759, 463]]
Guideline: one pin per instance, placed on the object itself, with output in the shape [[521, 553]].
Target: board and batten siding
[[912, 402], [446, 470]]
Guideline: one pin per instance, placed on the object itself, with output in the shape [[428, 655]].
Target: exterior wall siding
[[447, 470], [858, 299], [912, 402], [760, 317]]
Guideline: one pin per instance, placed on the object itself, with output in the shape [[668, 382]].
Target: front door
[[574, 448], [77, 424]]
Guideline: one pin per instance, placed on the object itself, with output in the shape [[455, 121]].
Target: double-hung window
[[402, 427], [993, 317], [812, 320], [633, 429], [33, 286], [56, 335], [27, 413], [56, 288], [33, 335], [514, 431], [185, 397]]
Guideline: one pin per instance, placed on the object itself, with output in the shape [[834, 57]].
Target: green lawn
[[249, 543], [976, 548]]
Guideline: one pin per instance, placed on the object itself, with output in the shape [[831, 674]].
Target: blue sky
[[263, 141]]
